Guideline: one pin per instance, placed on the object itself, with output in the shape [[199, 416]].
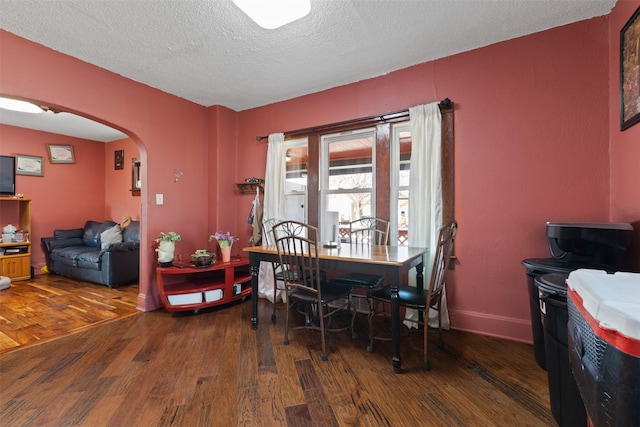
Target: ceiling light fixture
[[271, 14], [20, 106]]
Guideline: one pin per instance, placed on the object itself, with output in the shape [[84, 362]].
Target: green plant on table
[[171, 236]]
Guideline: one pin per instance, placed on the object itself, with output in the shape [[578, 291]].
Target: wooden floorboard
[[212, 369], [51, 306]]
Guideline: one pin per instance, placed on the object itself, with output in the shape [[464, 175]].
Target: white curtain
[[274, 178], [425, 194]]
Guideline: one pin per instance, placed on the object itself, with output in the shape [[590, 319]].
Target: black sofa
[[96, 253]]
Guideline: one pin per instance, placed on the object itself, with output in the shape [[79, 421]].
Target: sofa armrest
[[53, 243], [120, 267], [123, 247]]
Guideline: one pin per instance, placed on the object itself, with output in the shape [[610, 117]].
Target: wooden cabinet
[[185, 288], [15, 257]]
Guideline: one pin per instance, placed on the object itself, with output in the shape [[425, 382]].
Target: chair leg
[[354, 334], [275, 302], [440, 343], [425, 364], [324, 356], [275, 292], [286, 323], [372, 312]]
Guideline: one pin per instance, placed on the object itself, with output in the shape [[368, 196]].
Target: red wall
[[118, 198], [536, 141], [169, 132], [531, 147], [624, 150], [67, 195]]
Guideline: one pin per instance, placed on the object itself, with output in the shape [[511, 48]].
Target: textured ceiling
[[209, 52]]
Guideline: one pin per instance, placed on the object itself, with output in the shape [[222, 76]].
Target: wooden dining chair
[[421, 299], [278, 281], [278, 228], [305, 286], [364, 231]]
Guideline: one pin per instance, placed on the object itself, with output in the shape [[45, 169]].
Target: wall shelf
[[249, 187]]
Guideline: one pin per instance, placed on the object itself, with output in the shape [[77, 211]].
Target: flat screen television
[[7, 175]]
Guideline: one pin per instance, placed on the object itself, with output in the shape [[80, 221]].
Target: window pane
[[347, 179], [350, 164], [405, 157], [296, 176], [403, 216], [295, 186], [351, 206]]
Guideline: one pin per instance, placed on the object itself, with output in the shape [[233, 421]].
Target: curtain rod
[[445, 103]]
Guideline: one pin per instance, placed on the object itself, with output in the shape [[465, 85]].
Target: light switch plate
[[159, 199]]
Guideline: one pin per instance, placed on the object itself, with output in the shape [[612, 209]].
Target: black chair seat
[[421, 299], [408, 296], [330, 292], [360, 280]]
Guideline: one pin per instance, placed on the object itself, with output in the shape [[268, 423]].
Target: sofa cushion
[[131, 233], [92, 230], [68, 234], [78, 256], [89, 260], [110, 236]]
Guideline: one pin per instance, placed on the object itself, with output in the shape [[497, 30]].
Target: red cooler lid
[[613, 300]]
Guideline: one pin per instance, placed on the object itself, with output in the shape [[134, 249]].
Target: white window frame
[[394, 158], [293, 143], [323, 189]]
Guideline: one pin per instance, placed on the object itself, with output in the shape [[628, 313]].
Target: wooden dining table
[[392, 262]]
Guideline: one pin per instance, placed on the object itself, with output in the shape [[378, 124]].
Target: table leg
[[420, 286], [395, 328], [254, 269], [395, 315]]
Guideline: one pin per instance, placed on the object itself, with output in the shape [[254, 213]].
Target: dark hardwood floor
[[212, 369]]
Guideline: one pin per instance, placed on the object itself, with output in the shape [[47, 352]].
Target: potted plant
[[167, 247], [225, 241]]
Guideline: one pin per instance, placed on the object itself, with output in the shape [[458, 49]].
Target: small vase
[[226, 253], [165, 250]]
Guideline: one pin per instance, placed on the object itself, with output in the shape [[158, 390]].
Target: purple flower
[[223, 239]]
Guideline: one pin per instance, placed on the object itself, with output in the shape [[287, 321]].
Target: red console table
[[185, 287]]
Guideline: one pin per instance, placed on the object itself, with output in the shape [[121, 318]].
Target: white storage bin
[[182, 299], [214, 295]]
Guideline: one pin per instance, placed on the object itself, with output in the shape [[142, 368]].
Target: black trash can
[[537, 267], [567, 406]]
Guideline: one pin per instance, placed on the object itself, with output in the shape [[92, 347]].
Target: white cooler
[[604, 344]]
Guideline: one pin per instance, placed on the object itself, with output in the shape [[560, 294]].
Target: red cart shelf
[[189, 288]]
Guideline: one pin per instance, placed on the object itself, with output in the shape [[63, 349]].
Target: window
[[360, 167], [295, 187], [347, 175], [400, 172]]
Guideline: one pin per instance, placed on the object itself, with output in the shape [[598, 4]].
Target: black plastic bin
[[537, 267], [567, 406], [604, 347]]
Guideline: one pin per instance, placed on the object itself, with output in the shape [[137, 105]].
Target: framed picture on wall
[[29, 165], [119, 159], [630, 72], [61, 153]]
